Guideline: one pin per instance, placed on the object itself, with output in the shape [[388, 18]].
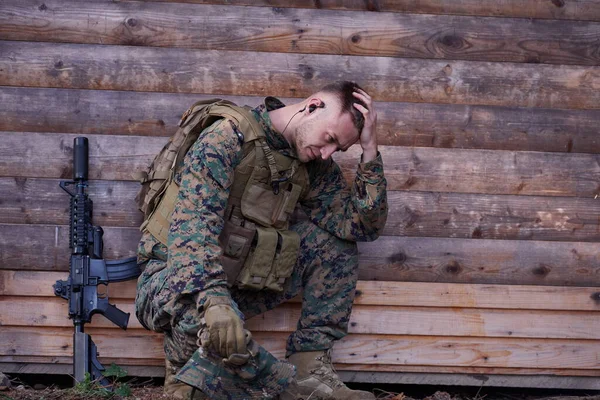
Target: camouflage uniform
[[179, 279]]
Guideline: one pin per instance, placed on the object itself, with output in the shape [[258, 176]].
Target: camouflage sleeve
[[356, 213], [197, 221]]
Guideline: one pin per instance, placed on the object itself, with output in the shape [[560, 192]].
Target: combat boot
[[179, 390], [317, 378]]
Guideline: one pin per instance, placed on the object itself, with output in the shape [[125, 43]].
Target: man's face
[[323, 134]]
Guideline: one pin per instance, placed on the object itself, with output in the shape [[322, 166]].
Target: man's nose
[[327, 151]]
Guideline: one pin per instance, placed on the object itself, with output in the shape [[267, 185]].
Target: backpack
[[199, 116]]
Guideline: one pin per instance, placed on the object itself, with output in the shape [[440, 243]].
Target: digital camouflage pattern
[[178, 280], [261, 377]]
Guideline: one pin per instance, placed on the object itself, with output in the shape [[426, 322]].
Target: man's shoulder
[[219, 138], [221, 132]]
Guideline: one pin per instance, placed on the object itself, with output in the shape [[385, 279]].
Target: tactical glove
[[225, 330]]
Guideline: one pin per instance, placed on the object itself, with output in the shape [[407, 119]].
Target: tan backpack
[[199, 116]]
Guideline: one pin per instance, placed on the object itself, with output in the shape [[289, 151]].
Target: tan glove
[[225, 330]]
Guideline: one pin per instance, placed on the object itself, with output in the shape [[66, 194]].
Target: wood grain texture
[[386, 320], [489, 129], [582, 10], [387, 79], [354, 349], [480, 261], [413, 214], [484, 171], [34, 284], [67, 369], [497, 352], [399, 124], [46, 155], [42, 201], [306, 31], [45, 248], [431, 214], [29, 364]]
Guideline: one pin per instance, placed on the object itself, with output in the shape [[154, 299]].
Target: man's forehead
[[345, 130]]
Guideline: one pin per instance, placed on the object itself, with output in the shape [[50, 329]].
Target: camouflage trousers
[[325, 272]]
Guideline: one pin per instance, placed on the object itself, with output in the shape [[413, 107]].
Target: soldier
[[232, 250]]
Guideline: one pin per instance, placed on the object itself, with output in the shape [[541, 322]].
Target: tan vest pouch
[[261, 205], [285, 260], [260, 260], [235, 240]]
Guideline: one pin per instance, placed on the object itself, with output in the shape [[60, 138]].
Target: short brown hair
[[343, 90]]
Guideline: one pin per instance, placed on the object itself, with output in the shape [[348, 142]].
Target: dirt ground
[[26, 389], [155, 393]]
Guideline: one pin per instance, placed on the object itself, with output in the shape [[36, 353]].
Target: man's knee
[[181, 340], [150, 298]]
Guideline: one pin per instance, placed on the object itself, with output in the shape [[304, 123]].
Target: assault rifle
[[88, 270]]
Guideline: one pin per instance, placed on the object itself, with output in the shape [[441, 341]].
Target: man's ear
[[313, 107]]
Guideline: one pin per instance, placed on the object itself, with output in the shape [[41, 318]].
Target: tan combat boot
[[179, 390], [317, 378]]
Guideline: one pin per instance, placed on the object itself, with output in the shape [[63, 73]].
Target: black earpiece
[[313, 107]]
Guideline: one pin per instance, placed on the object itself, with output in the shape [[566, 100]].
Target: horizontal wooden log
[[525, 353], [399, 124], [484, 171], [354, 349], [582, 10], [415, 214], [33, 364], [62, 360], [480, 261], [371, 293], [77, 66], [46, 155], [386, 320], [104, 112], [217, 27], [466, 377], [67, 369], [444, 379], [428, 214], [51, 155], [42, 201], [45, 247]]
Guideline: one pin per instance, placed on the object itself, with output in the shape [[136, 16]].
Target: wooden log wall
[[489, 116]]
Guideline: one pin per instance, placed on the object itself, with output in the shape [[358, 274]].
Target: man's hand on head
[[368, 136]]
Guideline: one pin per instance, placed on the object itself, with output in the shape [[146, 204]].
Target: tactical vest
[[259, 251]]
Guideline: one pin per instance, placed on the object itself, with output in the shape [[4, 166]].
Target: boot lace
[[327, 372]]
